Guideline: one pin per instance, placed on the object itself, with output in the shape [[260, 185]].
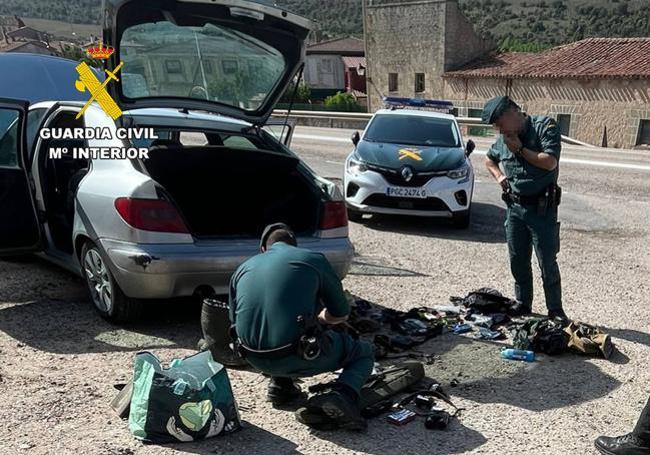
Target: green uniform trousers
[[339, 350], [525, 229]]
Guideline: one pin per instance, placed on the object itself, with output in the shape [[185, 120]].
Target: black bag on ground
[[541, 335], [379, 388], [485, 301], [215, 324]]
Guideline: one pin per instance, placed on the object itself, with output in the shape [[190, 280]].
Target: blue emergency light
[[395, 101]]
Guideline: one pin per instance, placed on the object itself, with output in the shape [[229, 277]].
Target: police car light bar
[[418, 102]]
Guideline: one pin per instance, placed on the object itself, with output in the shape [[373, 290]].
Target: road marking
[[334, 162], [611, 164]]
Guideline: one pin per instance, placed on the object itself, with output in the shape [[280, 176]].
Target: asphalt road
[[59, 361]]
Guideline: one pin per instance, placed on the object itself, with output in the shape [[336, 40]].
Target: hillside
[[513, 23]]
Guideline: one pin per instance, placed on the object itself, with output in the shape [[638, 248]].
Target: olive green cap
[[494, 108]]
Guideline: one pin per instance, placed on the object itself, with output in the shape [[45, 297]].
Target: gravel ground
[[59, 361]]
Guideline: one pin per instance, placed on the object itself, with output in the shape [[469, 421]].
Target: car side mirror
[[470, 147], [356, 138]]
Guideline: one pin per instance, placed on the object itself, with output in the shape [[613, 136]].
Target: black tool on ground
[[438, 419], [377, 409]]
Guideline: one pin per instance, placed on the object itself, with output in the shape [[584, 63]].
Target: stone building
[[598, 89], [411, 43]]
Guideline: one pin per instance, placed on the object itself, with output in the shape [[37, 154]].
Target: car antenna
[[293, 97]]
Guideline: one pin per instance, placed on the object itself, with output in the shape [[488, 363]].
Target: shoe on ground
[[283, 391], [557, 314], [519, 309], [627, 444], [341, 405], [315, 418]]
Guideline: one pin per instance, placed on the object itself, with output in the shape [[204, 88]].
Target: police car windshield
[[412, 130]]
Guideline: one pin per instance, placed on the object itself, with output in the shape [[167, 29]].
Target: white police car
[[411, 161]]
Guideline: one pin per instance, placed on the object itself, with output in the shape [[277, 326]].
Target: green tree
[[343, 102]]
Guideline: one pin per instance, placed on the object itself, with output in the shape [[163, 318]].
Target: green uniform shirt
[[269, 291], [541, 134]]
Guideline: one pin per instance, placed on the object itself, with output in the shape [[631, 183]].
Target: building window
[[419, 82], [644, 133], [392, 82], [474, 112], [564, 122], [173, 66], [229, 66]]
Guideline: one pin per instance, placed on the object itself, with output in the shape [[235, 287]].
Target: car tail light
[[335, 215], [150, 215]]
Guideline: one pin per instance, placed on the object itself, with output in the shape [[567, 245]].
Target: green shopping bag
[[190, 400]]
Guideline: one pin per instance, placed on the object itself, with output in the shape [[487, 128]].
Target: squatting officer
[[528, 151], [277, 299]]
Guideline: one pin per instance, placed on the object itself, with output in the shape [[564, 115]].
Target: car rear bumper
[[366, 193], [160, 271]]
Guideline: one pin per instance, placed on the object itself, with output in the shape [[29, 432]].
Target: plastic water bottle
[[518, 354]]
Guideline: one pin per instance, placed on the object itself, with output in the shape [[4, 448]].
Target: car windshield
[[413, 130], [211, 62]]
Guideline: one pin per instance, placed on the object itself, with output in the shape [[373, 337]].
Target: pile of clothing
[[493, 315], [394, 331]]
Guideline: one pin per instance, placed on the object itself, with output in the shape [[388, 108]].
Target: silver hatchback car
[[203, 76]]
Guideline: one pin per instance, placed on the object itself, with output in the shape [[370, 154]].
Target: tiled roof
[[354, 62], [342, 46], [589, 58]]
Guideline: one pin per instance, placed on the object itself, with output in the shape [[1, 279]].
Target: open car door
[[281, 129], [19, 225]]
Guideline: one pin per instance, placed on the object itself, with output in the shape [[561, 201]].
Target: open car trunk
[[232, 192]]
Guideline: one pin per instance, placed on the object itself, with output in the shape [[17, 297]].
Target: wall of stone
[[462, 43], [618, 104], [416, 36], [403, 37]]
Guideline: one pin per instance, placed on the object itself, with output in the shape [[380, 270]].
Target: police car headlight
[[355, 166], [459, 173]]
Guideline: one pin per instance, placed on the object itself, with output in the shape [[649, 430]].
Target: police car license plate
[[400, 191]]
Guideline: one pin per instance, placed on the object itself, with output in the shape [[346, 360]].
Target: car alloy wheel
[[99, 281]]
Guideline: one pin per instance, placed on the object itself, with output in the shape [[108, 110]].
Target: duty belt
[[277, 353]]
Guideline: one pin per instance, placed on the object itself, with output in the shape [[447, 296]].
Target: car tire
[[354, 215], [106, 295], [461, 220]]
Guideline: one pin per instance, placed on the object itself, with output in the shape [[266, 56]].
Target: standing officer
[[275, 301], [528, 151]]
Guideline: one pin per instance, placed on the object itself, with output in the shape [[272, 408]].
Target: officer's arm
[[551, 145], [336, 304], [232, 296], [492, 165]]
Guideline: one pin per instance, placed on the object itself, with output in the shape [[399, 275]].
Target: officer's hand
[[505, 185], [326, 318], [513, 142]]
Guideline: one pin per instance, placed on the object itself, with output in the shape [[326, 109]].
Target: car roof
[[34, 78], [415, 112]]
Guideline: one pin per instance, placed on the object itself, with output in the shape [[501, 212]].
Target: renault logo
[[407, 173]]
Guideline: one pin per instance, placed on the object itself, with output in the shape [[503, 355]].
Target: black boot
[[282, 391], [560, 314], [628, 444], [520, 309], [341, 405]]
